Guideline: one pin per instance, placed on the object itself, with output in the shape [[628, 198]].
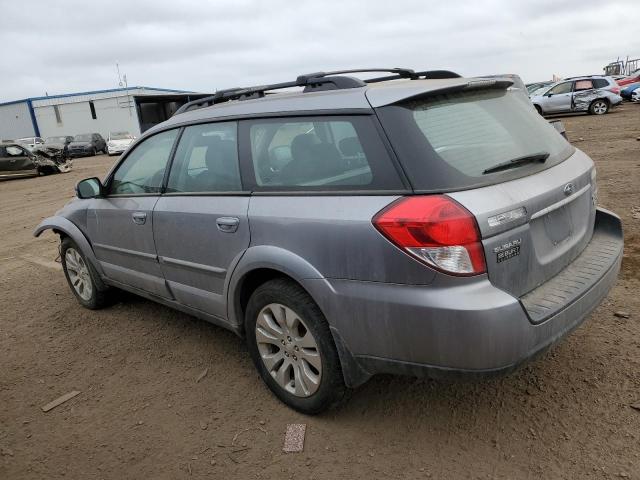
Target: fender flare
[[61, 224], [297, 268]]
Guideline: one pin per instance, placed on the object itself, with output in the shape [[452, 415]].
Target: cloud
[[73, 45]]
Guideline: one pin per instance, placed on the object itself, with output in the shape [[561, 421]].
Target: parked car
[[634, 77], [17, 161], [628, 90], [60, 142], [576, 95], [30, 143], [415, 223], [87, 144], [118, 142], [635, 96], [532, 87]]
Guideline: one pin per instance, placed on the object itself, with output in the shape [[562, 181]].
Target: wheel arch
[[264, 263], [66, 228]]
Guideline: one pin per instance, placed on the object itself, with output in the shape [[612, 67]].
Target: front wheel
[[599, 107], [81, 276], [292, 347]]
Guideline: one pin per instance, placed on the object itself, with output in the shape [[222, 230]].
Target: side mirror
[[89, 188]]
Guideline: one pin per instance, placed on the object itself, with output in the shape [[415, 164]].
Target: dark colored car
[[17, 161], [60, 143], [87, 144]]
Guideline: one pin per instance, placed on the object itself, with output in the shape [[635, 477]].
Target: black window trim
[[407, 188]]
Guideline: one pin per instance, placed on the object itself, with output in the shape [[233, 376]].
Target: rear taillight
[[437, 231], [615, 90]]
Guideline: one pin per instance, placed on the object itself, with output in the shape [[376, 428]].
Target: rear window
[[449, 141], [319, 153], [600, 83]]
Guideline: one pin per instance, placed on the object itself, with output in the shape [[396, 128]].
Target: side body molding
[[61, 224]]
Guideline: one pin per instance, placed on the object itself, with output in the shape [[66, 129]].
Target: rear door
[[200, 224], [120, 224]]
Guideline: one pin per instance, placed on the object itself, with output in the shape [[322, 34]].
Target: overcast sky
[[70, 46]]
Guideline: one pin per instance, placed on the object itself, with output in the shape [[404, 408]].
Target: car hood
[[80, 144], [53, 145], [121, 143]]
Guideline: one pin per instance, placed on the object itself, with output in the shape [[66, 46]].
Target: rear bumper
[[466, 326]]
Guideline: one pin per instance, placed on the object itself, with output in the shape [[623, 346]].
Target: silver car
[[583, 94], [416, 223]]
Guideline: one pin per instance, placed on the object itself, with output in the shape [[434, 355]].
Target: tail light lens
[[615, 90], [437, 231]]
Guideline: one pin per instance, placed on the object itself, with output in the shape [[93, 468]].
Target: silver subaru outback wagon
[[415, 223]]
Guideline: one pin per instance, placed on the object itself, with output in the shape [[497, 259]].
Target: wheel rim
[[599, 108], [288, 350], [78, 274]]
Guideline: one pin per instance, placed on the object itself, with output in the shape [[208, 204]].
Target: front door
[[200, 224], [559, 98], [120, 223]]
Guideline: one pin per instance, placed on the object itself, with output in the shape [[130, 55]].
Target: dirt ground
[[142, 414]]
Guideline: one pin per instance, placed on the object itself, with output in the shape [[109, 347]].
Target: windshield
[[86, 137], [120, 136], [55, 140], [456, 138]]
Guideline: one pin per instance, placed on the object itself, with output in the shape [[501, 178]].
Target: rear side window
[[319, 153], [449, 141], [206, 160], [583, 85], [600, 83]]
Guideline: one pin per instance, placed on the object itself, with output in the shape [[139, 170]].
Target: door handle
[[227, 224], [139, 218]]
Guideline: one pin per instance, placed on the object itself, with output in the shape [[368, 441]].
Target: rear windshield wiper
[[516, 162]]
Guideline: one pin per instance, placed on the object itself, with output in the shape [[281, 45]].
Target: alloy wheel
[[288, 350], [79, 275], [599, 108]]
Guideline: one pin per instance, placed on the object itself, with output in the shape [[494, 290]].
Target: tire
[[94, 152], [76, 266], [299, 352], [599, 107]]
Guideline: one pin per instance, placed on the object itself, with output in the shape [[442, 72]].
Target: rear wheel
[[599, 107], [81, 276], [291, 346]]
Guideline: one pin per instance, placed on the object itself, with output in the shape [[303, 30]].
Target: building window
[[56, 110], [93, 110]]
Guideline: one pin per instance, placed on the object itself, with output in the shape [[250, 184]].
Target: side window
[[562, 88], [13, 151], [143, 169], [600, 83], [206, 160], [322, 153], [583, 85]]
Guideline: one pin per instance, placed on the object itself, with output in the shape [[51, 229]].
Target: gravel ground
[[142, 413]]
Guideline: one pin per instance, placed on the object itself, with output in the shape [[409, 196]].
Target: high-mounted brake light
[[436, 230]]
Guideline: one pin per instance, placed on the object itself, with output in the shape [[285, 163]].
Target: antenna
[[119, 77]]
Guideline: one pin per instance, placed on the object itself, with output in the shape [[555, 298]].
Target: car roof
[[369, 96]]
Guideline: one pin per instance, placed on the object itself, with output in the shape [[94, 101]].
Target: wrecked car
[[61, 142], [575, 95], [18, 161]]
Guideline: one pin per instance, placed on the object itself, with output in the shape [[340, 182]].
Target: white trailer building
[[133, 109]]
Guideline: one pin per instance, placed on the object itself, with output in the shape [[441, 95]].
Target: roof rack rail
[[316, 81], [425, 75]]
